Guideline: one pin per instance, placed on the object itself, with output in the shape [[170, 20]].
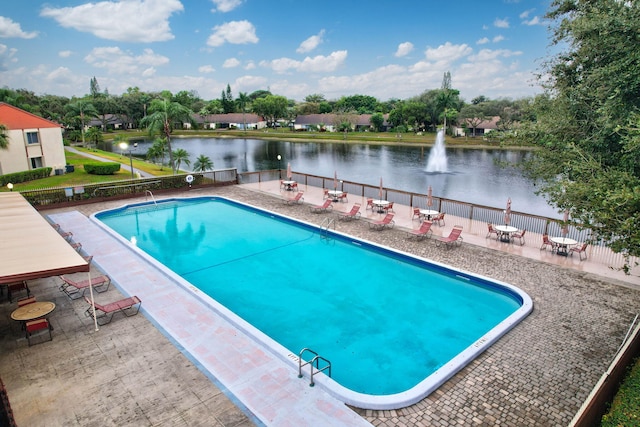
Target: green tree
[[81, 112], [164, 116], [94, 136], [228, 105], [271, 107], [202, 164], [377, 121], [4, 138], [94, 87], [587, 122], [156, 153], [472, 115], [181, 156], [243, 101]]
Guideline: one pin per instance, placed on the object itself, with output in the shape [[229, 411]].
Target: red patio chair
[[325, 192], [354, 213], [519, 235], [26, 301], [454, 238], [580, 250], [423, 231], [492, 231], [387, 221], [416, 214], [343, 197], [37, 325], [388, 208], [369, 204], [439, 219], [546, 242], [104, 313], [14, 287]]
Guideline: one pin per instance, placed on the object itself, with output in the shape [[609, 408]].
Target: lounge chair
[[423, 231], [328, 204], [294, 200], [547, 242], [75, 290], [519, 235], [580, 250], [387, 221], [491, 231], [104, 313], [454, 238], [77, 246], [354, 213]]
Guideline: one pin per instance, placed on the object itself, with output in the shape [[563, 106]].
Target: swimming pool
[[393, 326]]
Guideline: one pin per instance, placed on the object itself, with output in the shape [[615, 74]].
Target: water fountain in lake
[[437, 161]]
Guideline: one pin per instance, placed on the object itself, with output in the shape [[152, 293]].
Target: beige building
[[34, 142]]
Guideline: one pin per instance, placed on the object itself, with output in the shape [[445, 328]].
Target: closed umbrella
[[335, 180], [289, 171], [429, 197], [565, 223], [380, 191], [507, 212]]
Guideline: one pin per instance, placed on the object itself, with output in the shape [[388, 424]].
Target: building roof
[[15, 118]]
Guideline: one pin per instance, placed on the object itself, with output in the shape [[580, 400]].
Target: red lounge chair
[[454, 238], [73, 289], [37, 325], [128, 306], [492, 231], [294, 200], [354, 213], [387, 221], [328, 204], [423, 231], [519, 235], [580, 250]]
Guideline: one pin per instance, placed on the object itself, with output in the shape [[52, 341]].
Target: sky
[[293, 48]]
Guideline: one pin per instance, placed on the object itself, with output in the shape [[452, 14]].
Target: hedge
[[25, 176], [102, 168]]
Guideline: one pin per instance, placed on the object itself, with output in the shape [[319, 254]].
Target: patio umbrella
[[335, 180], [289, 171], [380, 191], [565, 223], [429, 197], [507, 212]]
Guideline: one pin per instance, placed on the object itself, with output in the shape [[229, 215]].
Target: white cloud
[[65, 53], [206, 69], [483, 40], [10, 29], [250, 65], [234, 32], [225, 5], [117, 61], [448, 52], [533, 21], [317, 64], [142, 21], [7, 55], [491, 54], [230, 63], [501, 23], [497, 38], [404, 49], [311, 43], [526, 13]]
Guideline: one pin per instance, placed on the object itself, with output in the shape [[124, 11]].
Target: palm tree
[[179, 156], [82, 110], [4, 138], [157, 151], [202, 164], [164, 114]]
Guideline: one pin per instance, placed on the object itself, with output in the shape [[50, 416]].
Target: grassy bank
[[625, 408]]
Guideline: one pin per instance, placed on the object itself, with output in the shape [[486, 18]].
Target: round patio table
[[33, 311], [505, 232], [563, 244]]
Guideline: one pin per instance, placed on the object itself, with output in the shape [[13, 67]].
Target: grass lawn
[[625, 408]]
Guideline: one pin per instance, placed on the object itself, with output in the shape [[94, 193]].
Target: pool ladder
[[313, 363], [326, 225]]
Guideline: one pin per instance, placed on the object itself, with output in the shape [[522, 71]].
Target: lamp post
[[124, 146], [10, 186], [280, 165]]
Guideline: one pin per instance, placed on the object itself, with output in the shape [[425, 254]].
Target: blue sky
[[293, 48]]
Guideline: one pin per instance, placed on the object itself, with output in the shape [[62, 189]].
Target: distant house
[[319, 122], [229, 121], [110, 122], [34, 142], [480, 129]]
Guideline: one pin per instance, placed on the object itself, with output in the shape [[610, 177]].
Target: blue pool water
[[387, 321]]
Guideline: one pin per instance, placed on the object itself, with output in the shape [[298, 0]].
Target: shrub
[[102, 168], [25, 176]]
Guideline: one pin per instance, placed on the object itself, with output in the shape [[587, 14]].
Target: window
[[36, 162], [32, 138]]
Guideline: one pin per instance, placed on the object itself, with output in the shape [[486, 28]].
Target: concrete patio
[[135, 372]]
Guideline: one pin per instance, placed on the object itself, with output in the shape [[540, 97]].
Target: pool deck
[[179, 363]]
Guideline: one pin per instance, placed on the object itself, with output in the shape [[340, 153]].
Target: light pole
[[280, 165], [124, 146]]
